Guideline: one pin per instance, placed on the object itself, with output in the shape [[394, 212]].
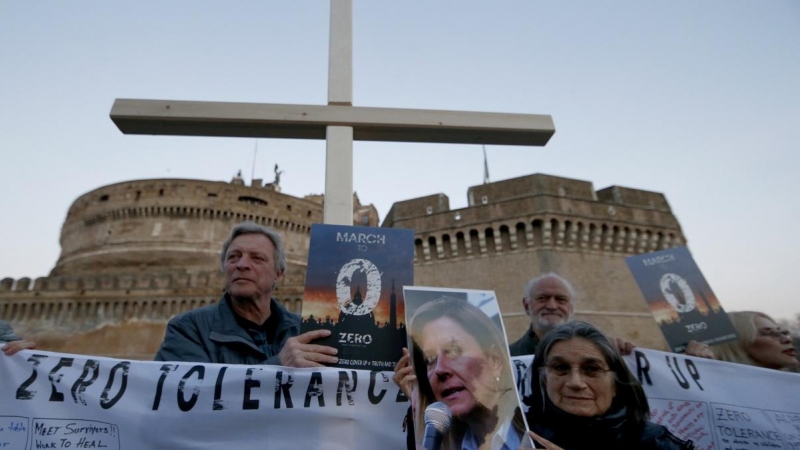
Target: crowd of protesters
[[582, 381]]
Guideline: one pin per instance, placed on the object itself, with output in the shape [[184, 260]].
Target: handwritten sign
[[74, 434], [13, 433]]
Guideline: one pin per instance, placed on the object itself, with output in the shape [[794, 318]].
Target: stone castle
[[136, 253]]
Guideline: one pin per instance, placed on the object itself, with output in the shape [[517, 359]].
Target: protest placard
[[354, 288], [680, 299]]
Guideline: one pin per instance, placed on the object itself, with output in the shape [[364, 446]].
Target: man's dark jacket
[[211, 334], [526, 345]]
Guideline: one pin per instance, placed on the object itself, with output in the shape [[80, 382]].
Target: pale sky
[[698, 100]]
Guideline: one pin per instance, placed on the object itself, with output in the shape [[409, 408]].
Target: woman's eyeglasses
[[587, 370], [774, 333]]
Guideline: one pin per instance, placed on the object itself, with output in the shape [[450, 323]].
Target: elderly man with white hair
[[549, 300]]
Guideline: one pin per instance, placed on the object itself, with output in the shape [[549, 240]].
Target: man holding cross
[[247, 326]]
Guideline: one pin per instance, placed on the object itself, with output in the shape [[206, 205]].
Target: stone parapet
[[422, 206], [111, 282], [542, 231], [536, 184], [145, 225]]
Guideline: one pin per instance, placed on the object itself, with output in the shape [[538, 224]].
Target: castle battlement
[[538, 212], [545, 231], [152, 225], [112, 282]]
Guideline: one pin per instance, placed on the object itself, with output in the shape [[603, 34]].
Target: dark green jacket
[[212, 335], [526, 345]]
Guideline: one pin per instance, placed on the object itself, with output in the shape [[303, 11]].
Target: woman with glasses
[[587, 397], [761, 343]]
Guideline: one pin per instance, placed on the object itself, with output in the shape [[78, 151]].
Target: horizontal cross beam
[[260, 120]]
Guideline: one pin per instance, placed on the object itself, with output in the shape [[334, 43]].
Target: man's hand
[[700, 350], [15, 346], [404, 374], [299, 352], [542, 441], [624, 347]]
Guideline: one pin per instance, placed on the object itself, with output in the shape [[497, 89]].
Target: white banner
[[720, 405], [63, 401]]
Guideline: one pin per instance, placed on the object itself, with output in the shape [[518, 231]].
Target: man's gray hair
[[254, 228], [535, 282]]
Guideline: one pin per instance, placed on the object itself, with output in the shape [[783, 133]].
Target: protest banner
[[64, 401], [354, 288], [720, 405], [680, 299]]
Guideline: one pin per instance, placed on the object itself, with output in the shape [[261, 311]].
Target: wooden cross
[[338, 122]]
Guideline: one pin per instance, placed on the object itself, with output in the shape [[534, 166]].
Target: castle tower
[[516, 229]]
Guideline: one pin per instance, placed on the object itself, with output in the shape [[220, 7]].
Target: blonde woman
[[761, 343]]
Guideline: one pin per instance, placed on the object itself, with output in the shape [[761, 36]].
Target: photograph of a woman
[[460, 358]]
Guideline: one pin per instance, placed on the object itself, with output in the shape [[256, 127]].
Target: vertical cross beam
[[338, 207]]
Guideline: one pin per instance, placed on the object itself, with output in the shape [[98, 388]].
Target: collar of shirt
[[505, 438]]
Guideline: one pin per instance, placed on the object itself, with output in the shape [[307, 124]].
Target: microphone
[[437, 422]]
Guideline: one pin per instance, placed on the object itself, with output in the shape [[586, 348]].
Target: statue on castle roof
[[238, 178], [278, 173]]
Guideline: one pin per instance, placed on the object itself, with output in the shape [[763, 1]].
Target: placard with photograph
[[354, 287], [680, 299], [465, 384]]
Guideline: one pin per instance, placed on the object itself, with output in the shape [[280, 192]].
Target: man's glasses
[[559, 369]]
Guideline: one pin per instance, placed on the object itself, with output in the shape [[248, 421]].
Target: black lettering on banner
[[105, 403], [731, 415], [643, 368], [679, 377], [219, 405], [82, 383], [694, 373], [281, 387], [344, 385], [183, 404], [22, 391], [165, 370], [56, 396], [249, 385], [40, 430], [375, 399], [314, 390]]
